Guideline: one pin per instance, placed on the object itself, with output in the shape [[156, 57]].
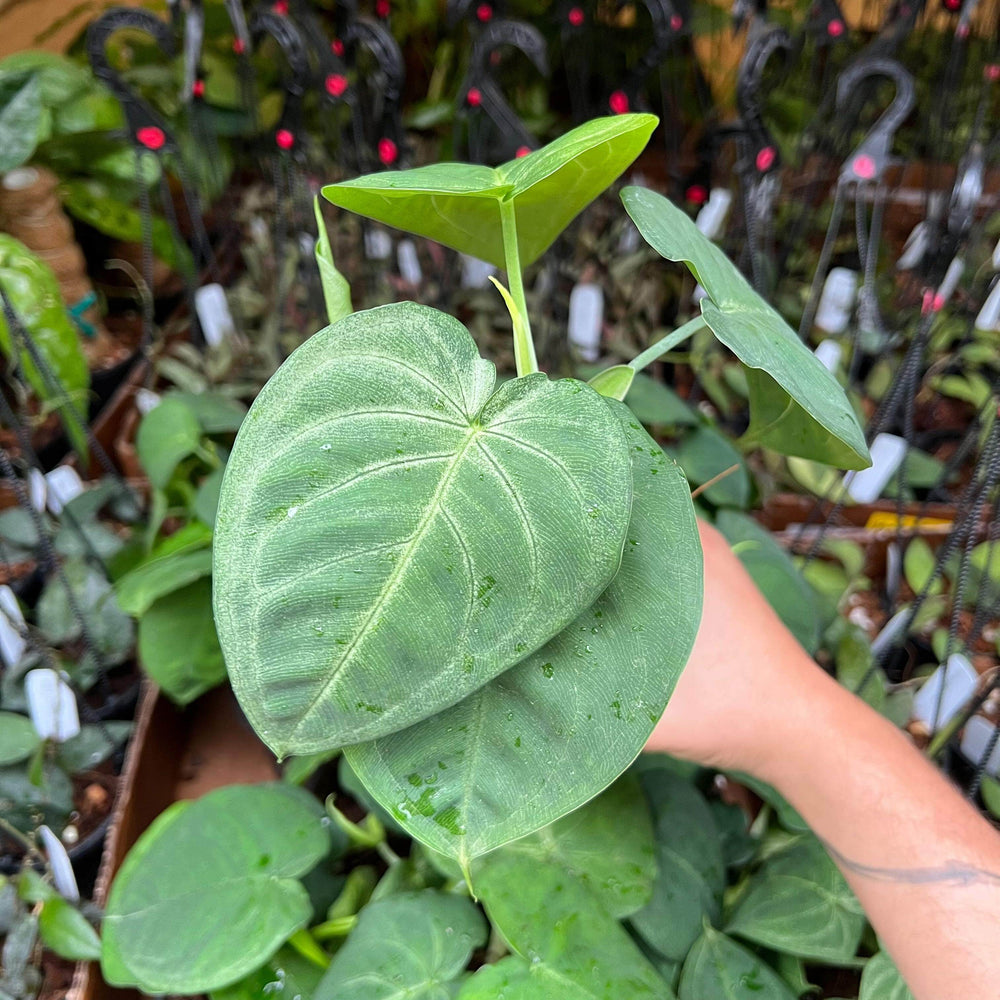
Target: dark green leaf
[[178, 646], [572, 948], [217, 414], [168, 434], [691, 870], [775, 574], [35, 297], [210, 890], [719, 969], [703, 453], [656, 405], [411, 945], [800, 903], [94, 202], [92, 745], [18, 739], [881, 980], [606, 844]]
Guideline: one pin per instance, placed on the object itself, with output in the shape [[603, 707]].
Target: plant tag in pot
[[475, 272], [837, 301], [37, 489], [829, 353], [51, 705], [64, 484], [888, 452], [945, 692], [146, 400], [378, 244], [891, 632], [213, 314], [989, 315], [60, 865], [915, 247], [12, 628], [712, 215], [586, 317], [408, 262], [979, 734], [950, 282]]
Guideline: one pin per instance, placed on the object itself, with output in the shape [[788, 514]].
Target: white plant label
[[711, 220], [12, 628], [888, 452], [836, 303], [214, 316], [829, 353], [408, 262], [63, 877], [586, 317], [475, 272], [51, 705], [978, 735], [378, 244], [945, 692], [64, 484]]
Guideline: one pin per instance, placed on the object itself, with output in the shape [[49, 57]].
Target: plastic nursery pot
[[174, 754]]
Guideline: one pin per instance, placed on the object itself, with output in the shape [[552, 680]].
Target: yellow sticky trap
[[880, 520]]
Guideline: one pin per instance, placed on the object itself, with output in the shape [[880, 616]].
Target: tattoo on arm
[[953, 873]]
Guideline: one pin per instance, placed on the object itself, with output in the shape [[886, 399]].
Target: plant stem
[[15, 834], [524, 346], [667, 343]]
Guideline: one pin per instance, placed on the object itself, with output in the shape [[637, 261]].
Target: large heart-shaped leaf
[[548, 735], [800, 903], [458, 204], [411, 945], [717, 968], [392, 533], [569, 947], [690, 869], [210, 890], [796, 405]]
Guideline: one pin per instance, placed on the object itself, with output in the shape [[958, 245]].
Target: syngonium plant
[[484, 593]]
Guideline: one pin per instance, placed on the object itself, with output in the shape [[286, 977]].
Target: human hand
[[745, 677]]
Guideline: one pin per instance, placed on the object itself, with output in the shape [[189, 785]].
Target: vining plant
[[483, 594]]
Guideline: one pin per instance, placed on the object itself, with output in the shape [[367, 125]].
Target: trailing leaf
[[796, 405]]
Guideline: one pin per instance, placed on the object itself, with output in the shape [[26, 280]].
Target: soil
[[57, 977]]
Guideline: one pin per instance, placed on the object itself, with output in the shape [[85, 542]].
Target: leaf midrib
[[390, 585]]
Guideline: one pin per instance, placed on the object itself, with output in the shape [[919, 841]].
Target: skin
[[923, 862]]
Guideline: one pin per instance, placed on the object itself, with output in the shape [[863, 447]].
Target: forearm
[[924, 864]]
